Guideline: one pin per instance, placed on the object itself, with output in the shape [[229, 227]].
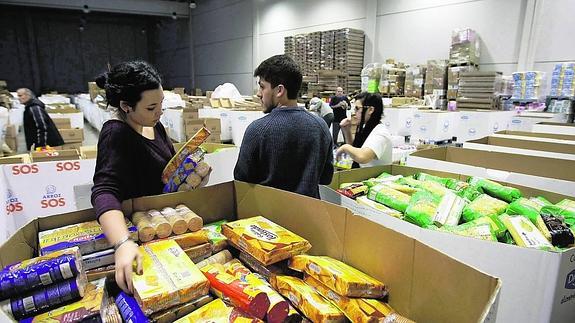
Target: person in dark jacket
[[39, 129]]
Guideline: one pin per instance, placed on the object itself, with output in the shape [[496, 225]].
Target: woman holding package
[[372, 144], [133, 149]]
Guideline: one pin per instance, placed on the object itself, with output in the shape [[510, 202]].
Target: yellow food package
[[338, 276], [361, 310], [169, 277], [525, 233], [217, 312], [307, 300], [264, 240]]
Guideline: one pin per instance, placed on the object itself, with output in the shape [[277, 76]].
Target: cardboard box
[[225, 117], [56, 155], [543, 173], [434, 125], [12, 143], [536, 134], [214, 138], [89, 152], [333, 231], [62, 123], [555, 128], [193, 125], [399, 121], [71, 136], [188, 114], [16, 159], [76, 146], [565, 147], [526, 120], [534, 281], [475, 124]]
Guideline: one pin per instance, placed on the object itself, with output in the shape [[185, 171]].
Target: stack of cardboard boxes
[[478, 90], [73, 137], [453, 76], [436, 81], [192, 122], [10, 138], [392, 81], [414, 77]]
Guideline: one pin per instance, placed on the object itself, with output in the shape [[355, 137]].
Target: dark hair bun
[[101, 80]]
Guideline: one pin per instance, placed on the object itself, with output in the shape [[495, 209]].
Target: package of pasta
[[449, 210], [505, 193], [410, 181], [173, 313], [40, 271], [245, 296], [363, 200], [402, 188], [483, 205], [456, 185], [540, 201], [422, 208], [264, 240], [169, 277], [525, 233], [46, 298], [360, 310], [354, 190], [89, 309], [389, 197], [215, 236], [494, 221], [278, 309], [381, 179], [472, 229], [531, 210], [187, 149], [218, 311], [560, 234], [338, 276], [87, 236], [427, 177], [307, 300], [469, 193]]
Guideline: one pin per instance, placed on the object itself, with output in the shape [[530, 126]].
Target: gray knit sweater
[[290, 149]]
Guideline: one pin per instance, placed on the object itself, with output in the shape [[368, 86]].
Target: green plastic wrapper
[[427, 177], [434, 188], [421, 209], [564, 209], [389, 197], [470, 193], [410, 181], [484, 205], [507, 238], [540, 201], [530, 210], [505, 193], [456, 185], [472, 229], [380, 180]]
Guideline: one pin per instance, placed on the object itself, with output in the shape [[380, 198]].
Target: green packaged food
[[456, 185], [495, 224], [421, 209], [507, 238], [564, 209], [505, 193], [434, 188], [449, 210], [469, 193], [474, 230], [402, 188], [389, 197], [484, 205], [385, 179], [540, 201], [363, 200], [525, 233], [384, 175], [427, 177], [529, 209]]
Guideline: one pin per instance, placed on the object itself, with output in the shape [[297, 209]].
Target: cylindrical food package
[[380, 180], [146, 230], [449, 210], [203, 169], [434, 188], [220, 258], [505, 193], [484, 205], [427, 177], [469, 193], [279, 308], [529, 209], [421, 209], [27, 275], [159, 223], [389, 197], [245, 296], [360, 310], [363, 200], [338, 276], [472, 229], [186, 158], [185, 187], [129, 309], [45, 298], [307, 300], [218, 311], [179, 225], [193, 180], [456, 185], [402, 188], [200, 252], [410, 181], [525, 233], [561, 236], [540, 201], [190, 239], [195, 222]]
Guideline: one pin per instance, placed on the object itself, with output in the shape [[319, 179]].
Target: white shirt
[[379, 141]]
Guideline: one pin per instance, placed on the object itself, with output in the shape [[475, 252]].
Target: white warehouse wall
[[410, 31]]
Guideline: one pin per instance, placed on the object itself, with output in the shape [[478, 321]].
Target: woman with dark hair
[[372, 144], [133, 149]]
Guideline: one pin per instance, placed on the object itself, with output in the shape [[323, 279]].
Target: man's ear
[[124, 106], [281, 91]]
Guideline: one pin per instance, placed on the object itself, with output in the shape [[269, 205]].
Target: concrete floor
[[90, 137]]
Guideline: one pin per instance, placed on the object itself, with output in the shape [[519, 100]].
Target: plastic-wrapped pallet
[[464, 47], [414, 77], [528, 85]]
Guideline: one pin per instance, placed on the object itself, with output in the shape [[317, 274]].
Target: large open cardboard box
[[525, 145], [536, 134], [555, 128], [424, 284], [549, 174], [537, 285]]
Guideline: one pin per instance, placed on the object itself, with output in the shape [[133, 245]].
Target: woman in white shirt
[[372, 144]]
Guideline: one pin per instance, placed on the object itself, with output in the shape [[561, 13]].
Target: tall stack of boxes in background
[[463, 57], [392, 79], [562, 94], [312, 53], [414, 79], [327, 50], [192, 122], [436, 81], [73, 137], [479, 90], [528, 85], [349, 49]]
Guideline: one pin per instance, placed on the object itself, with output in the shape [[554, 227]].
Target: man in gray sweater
[[289, 148]]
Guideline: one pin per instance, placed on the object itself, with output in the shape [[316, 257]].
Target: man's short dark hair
[[281, 69]]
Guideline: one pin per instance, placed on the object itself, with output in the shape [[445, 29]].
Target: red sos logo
[[12, 203], [25, 169], [67, 166], [52, 199]]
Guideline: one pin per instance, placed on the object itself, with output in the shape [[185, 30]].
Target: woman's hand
[[345, 123], [124, 257], [341, 150]]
